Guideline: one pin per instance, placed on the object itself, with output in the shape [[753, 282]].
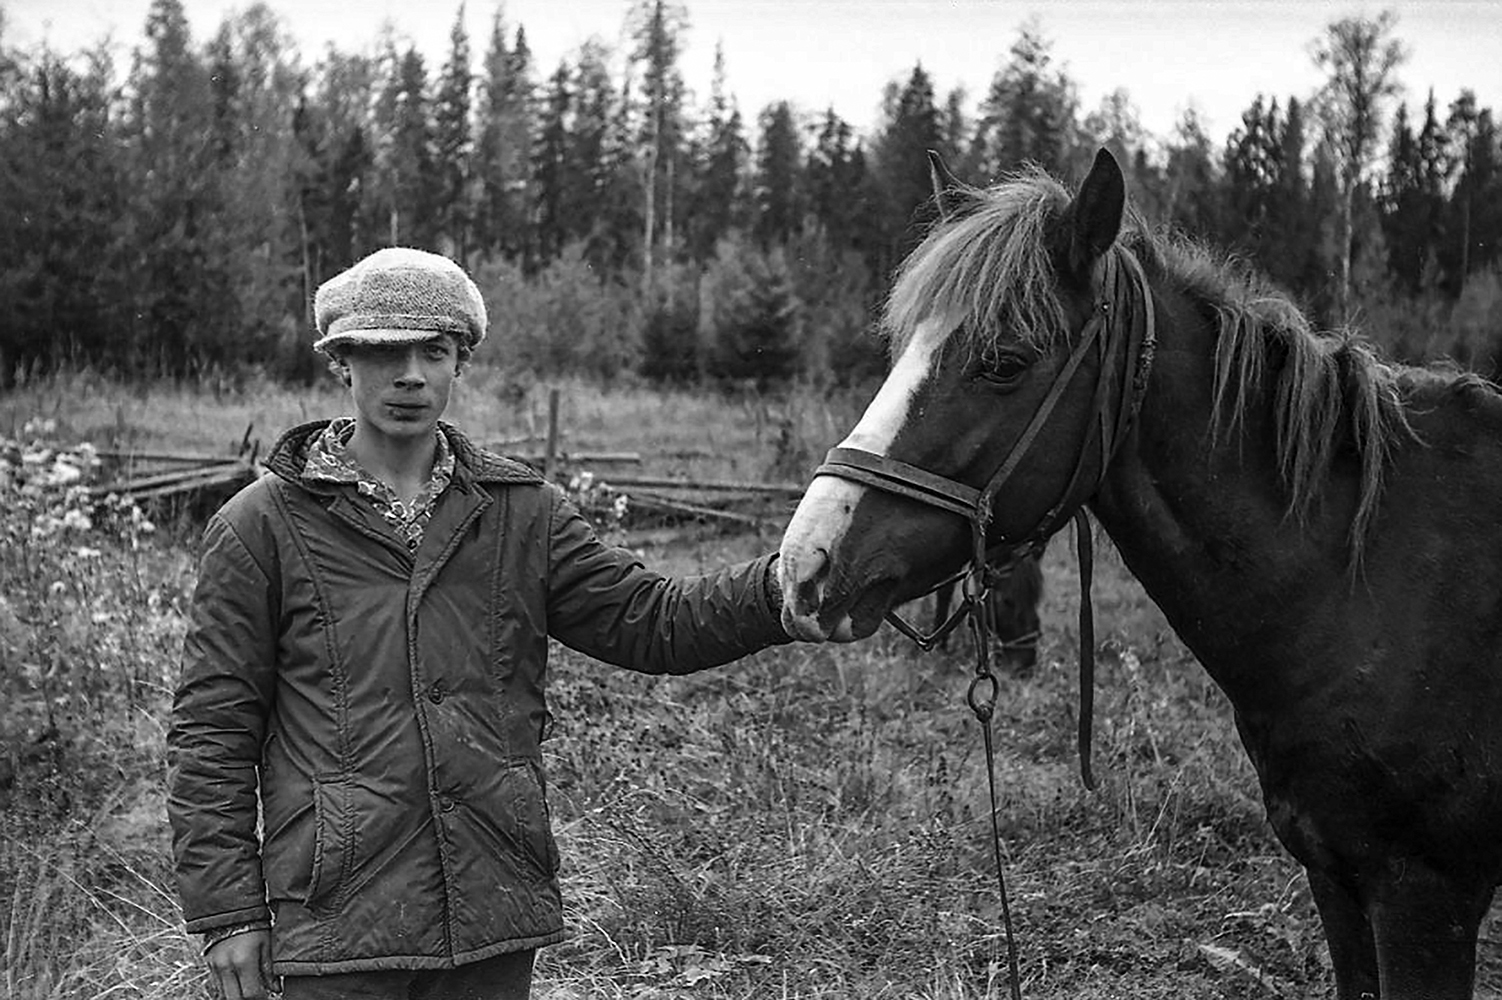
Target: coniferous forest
[[171, 217]]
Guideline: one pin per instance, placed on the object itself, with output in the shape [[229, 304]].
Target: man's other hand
[[241, 965]]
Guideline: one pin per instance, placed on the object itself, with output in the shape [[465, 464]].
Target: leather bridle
[[1121, 330]]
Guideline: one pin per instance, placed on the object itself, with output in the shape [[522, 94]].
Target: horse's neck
[[1202, 523]]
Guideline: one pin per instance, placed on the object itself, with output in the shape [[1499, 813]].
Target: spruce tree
[[452, 146]]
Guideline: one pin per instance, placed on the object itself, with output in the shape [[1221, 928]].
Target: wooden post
[[550, 456]]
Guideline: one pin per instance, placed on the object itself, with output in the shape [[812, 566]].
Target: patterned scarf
[[329, 461]]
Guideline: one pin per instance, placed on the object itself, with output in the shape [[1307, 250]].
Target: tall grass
[[809, 823]]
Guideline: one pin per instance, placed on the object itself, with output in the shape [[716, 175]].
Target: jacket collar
[[472, 464]]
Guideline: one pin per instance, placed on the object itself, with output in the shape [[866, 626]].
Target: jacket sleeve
[[604, 602], [219, 715]]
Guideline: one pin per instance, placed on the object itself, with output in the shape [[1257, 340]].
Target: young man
[[365, 667]]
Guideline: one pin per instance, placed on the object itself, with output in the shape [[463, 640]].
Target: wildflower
[[138, 520], [87, 552], [63, 472], [77, 520]]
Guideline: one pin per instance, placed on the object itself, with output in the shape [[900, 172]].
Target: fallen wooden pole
[[206, 481], [135, 486], [663, 503], [533, 458], [650, 482], [161, 456]]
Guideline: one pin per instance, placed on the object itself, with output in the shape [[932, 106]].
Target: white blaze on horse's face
[[824, 514]]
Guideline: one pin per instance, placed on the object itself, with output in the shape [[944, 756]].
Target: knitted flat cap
[[399, 296]]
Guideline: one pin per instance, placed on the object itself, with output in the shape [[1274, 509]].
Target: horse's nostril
[[808, 592]]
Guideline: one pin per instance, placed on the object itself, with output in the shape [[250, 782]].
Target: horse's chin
[[870, 608], [855, 617]]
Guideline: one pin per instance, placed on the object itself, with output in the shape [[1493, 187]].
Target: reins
[[1109, 428]]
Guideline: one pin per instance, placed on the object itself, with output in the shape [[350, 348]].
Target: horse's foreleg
[[1424, 925], [1353, 952]]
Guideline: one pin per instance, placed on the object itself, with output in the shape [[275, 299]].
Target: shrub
[[670, 341], [1477, 321], [565, 320], [751, 315], [839, 342]]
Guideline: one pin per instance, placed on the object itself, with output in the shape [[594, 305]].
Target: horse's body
[[1323, 530]]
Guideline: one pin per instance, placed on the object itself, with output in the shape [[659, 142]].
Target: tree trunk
[[667, 215], [649, 224], [1343, 291], [1465, 243]]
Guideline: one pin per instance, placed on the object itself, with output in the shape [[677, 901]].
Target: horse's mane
[[1330, 392], [990, 272]]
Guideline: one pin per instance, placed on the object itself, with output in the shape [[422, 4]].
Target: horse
[[1322, 527], [1014, 588]]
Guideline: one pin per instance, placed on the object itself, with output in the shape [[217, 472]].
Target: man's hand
[[241, 965]]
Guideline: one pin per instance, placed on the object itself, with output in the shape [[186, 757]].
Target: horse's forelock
[[989, 270]]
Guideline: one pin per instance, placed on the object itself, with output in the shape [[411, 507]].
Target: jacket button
[[435, 692], [446, 804]]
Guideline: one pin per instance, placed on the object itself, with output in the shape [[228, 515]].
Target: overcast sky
[[1169, 54]]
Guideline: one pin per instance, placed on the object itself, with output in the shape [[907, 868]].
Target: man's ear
[[340, 367]]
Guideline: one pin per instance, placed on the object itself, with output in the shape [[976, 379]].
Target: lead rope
[[983, 704], [1087, 644]]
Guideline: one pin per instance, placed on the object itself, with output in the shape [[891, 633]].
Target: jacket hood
[[289, 456]]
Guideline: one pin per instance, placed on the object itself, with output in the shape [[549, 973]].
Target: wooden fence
[[172, 478]]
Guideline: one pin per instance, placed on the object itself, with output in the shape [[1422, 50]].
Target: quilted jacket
[[386, 708]]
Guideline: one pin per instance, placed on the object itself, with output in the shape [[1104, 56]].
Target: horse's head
[[994, 385]]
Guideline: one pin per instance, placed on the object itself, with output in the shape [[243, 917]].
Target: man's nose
[[410, 372]]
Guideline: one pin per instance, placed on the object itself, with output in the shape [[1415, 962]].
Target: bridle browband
[[1116, 331]]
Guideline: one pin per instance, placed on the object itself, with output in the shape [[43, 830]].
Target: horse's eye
[[1004, 368]]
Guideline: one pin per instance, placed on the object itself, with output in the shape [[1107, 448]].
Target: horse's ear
[[1096, 212], [948, 191]]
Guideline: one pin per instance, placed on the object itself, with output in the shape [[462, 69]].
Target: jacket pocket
[[510, 817], [537, 819], [331, 836]]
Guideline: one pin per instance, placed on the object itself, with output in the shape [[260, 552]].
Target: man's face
[[400, 390]]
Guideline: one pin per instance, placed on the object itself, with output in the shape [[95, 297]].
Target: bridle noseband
[[1121, 328]]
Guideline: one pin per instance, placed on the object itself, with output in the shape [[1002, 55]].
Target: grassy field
[[810, 822]]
